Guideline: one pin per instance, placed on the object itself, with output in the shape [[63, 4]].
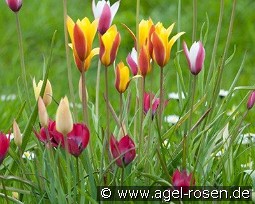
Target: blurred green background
[[39, 20]]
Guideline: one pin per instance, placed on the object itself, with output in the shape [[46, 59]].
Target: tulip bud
[[195, 56], [42, 113], [4, 144], [47, 96], [144, 61], [132, 61], [17, 134], [182, 179], [14, 5], [251, 100], [122, 77], [64, 120]]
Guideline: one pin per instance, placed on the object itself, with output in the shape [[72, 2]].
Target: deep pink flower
[[4, 146], [132, 61], [55, 138], [195, 56], [78, 139], [14, 5], [182, 179], [149, 99], [251, 100], [105, 13], [123, 151]]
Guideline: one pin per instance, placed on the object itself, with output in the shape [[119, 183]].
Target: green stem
[[121, 114], [68, 62], [98, 88], [107, 101], [22, 61], [69, 179], [122, 176], [84, 99], [78, 176], [194, 20], [161, 99]]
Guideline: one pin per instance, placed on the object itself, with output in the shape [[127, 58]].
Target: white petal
[[134, 55], [193, 54], [114, 9]]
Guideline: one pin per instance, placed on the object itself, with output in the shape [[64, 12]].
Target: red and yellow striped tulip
[[122, 77]]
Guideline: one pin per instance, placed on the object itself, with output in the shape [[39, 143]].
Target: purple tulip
[[14, 5]]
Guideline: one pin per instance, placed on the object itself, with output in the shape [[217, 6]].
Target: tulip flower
[[195, 56], [144, 61], [17, 134], [14, 5], [82, 34], [47, 96], [64, 120], [122, 77], [78, 139], [105, 13], [132, 61], [145, 31], [182, 179], [4, 146], [123, 151], [149, 100], [109, 44], [42, 113], [251, 100], [161, 45], [50, 136]]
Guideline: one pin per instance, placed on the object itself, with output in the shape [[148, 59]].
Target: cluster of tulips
[[152, 44]]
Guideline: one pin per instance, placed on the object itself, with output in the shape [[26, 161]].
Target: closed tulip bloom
[[144, 61], [132, 61], [4, 146], [123, 151], [82, 34], [64, 120], [122, 77], [109, 44], [42, 113], [17, 134], [251, 100], [105, 13], [195, 56], [14, 5], [145, 27], [47, 96], [78, 139], [161, 44], [50, 136], [182, 179]]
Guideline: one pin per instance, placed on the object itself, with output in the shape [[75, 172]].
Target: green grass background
[[39, 20]]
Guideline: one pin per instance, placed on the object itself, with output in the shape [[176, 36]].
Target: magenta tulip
[[14, 5], [182, 179], [4, 146], [251, 100], [123, 151]]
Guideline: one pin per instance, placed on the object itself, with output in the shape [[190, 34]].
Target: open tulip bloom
[[195, 56]]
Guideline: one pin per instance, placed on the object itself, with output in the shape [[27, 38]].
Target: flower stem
[[22, 61], [194, 20], [185, 139], [107, 101], [161, 94], [84, 99], [68, 62], [98, 88]]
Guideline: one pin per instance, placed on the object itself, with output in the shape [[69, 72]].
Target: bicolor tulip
[[105, 13], [122, 77], [17, 134], [251, 100], [78, 139], [182, 179], [4, 146], [14, 5], [82, 34], [123, 151], [144, 59], [145, 30], [109, 44], [50, 136], [195, 56], [47, 96], [64, 120], [161, 44], [132, 61], [149, 100]]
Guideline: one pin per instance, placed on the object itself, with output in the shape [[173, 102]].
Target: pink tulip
[[4, 146], [251, 100], [123, 151], [182, 179], [195, 56], [105, 13], [78, 139], [14, 5], [132, 61]]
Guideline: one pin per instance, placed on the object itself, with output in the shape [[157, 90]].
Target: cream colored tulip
[[42, 113], [47, 96], [17, 134], [64, 120]]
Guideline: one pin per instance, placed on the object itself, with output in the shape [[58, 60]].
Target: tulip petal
[[79, 43], [114, 9], [200, 57], [159, 50], [104, 20], [144, 61]]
